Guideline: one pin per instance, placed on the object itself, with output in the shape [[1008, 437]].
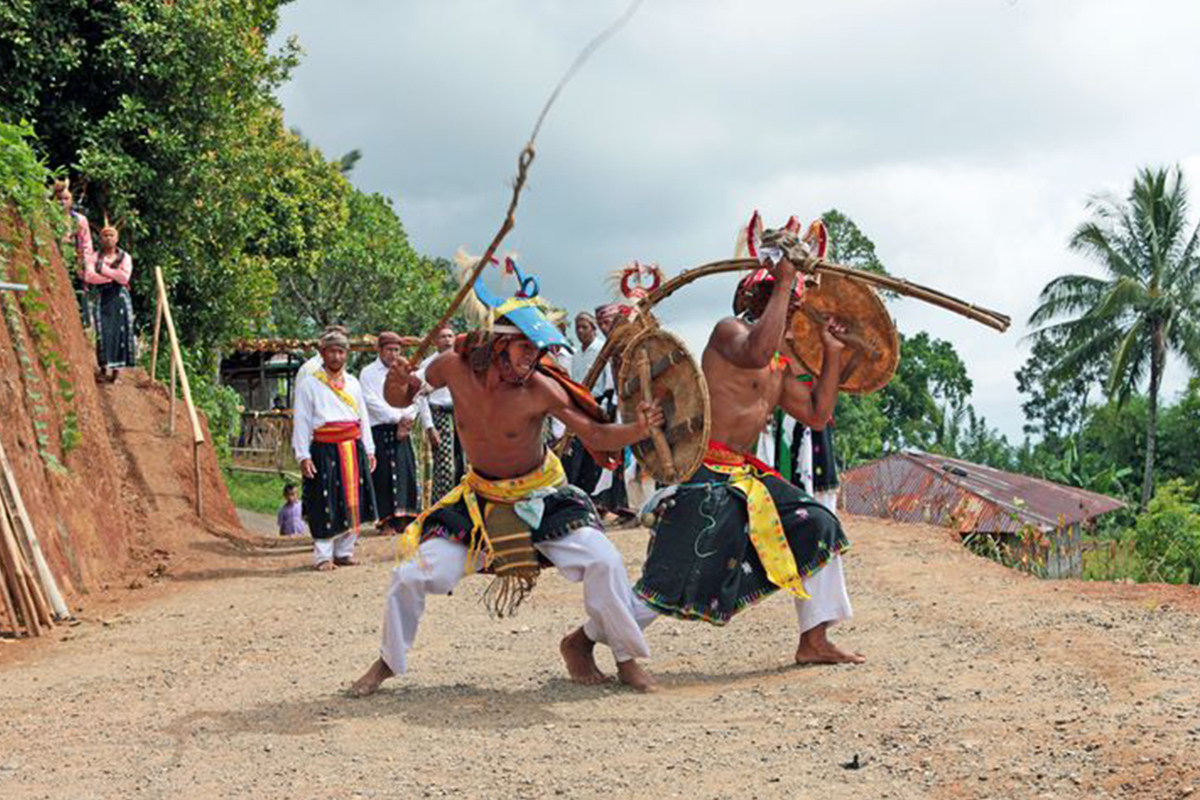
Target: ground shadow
[[453, 707]]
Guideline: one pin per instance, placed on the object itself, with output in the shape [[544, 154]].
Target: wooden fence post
[[180, 369]]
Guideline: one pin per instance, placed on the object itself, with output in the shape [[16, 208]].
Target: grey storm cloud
[[963, 137]]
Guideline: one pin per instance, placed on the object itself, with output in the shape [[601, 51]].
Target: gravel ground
[[981, 683]]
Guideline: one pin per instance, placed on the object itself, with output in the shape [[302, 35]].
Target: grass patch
[[255, 491], [1112, 560]]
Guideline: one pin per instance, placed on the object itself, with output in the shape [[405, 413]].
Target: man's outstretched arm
[[599, 436]]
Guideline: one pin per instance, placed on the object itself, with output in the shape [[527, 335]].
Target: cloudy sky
[[964, 137]]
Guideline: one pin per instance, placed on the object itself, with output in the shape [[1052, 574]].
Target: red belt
[[336, 432], [719, 454]]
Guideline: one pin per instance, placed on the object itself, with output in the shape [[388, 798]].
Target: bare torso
[[742, 399], [498, 423]]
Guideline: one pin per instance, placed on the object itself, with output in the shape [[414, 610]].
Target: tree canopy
[[1146, 306], [165, 115]]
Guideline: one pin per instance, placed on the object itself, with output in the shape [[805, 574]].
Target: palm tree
[[1145, 307]]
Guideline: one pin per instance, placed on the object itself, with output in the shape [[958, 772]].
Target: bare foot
[[632, 675], [369, 683], [325, 566], [577, 651], [829, 654], [815, 648], [346, 561]]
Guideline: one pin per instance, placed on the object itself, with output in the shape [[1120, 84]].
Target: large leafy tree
[[1057, 405], [1144, 307], [849, 245], [166, 112], [926, 400], [369, 278]]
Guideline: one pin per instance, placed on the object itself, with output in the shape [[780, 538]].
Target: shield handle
[[661, 446]]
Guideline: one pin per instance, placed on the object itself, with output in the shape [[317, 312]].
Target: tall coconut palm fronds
[[1145, 307]]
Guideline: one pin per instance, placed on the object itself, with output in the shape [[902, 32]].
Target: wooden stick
[[6, 602], [171, 413], [992, 319], [661, 447], [158, 315], [40, 604], [523, 162], [12, 561], [49, 584], [196, 469], [197, 431]]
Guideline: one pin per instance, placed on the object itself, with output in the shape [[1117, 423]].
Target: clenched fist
[[649, 415]]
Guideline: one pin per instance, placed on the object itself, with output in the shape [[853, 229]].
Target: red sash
[[344, 434], [337, 432], [722, 455]]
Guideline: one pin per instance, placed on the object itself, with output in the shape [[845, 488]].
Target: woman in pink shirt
[[79, 235], [112, 307]]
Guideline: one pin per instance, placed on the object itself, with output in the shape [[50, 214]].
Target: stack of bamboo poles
[[30, 602]]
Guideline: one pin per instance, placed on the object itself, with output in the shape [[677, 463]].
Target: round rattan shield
[[872, 346], [676, 382]]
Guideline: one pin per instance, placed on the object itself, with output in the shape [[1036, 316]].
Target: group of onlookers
[[104, 274], [355, 449]]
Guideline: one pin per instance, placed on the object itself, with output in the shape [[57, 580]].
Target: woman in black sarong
[[112, 307]]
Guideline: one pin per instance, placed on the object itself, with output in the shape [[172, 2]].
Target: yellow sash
[[766, 529], [342, 394], [474, 486]]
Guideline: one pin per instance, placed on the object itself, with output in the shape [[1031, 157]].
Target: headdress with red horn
[[767, 247]]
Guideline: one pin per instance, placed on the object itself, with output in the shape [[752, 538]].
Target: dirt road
[[981, 683]]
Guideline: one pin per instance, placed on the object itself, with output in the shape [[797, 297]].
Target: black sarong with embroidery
[[112, 313], [701, 562], [324, 497], [395, 475]]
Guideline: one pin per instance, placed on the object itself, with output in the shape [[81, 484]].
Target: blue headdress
[[524, 312]]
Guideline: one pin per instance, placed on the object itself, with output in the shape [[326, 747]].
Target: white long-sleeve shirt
[[372, 379], [582, 362], [317, 405], [309, 368]]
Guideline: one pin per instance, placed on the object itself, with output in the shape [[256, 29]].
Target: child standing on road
[[290, 522]]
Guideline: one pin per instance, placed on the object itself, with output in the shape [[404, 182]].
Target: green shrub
[[1167, 535], [24, 178], [221, 404]]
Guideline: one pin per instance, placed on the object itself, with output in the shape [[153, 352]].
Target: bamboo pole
[[171, 413], [196, 472], [7, 603], [21, 514], [40, 604], [158, 315], [178, 368], [992, 319], [12, 560]]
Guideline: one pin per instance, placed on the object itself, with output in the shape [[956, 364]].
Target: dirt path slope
[[981, 683]]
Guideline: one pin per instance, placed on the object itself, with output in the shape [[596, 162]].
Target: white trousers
[[828, 600], [340, 546], [828, 498], [584, 555]]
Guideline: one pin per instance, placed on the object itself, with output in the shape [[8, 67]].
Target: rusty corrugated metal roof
[[922, 487]]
